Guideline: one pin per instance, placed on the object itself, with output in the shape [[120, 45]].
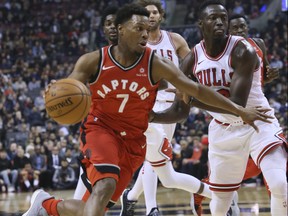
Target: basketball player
[[238, 26], [123, 80], [173, 47], [110, 33], [230, 66]]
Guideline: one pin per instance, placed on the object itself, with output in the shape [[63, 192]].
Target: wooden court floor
[[253, 201]]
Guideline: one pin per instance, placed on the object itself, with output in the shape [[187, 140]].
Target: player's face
[[134, 33], [155, 17], [238, 27], [109, 29], [214, 23]]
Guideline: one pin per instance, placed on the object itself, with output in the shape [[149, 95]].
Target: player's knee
[[278, 186], [168, 182], [104, 189]]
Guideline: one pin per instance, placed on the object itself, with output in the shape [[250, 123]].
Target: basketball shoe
[[127, 206], [154, 212], [36, 208]]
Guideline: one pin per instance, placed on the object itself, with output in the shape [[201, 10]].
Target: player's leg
[[228, 159], [252, 169], [172, 179], [80, 188], [267, 151], [150, 182], [274, 164]]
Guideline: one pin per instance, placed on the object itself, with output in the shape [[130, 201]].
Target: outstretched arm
[[177, 112], [164, 69]]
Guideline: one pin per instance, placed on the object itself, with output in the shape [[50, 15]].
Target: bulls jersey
[[260, 55], [217, 73], [123, 96], [165, 48]]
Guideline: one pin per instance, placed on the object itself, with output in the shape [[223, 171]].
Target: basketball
[[67, 101]]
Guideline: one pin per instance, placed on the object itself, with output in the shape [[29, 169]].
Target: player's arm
[[269, 73], [86, 66], [182, 48], [177, 112], [244, 60], [163, 68]]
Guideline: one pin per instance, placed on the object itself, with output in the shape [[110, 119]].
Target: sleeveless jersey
[[165, 48], [260, 55], [217, 73], [123, 96]]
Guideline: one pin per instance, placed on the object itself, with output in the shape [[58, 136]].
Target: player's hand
[[180, 95], [271, 74], [250, 115], [48, 87]]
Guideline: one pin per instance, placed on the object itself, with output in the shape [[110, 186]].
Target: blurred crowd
[[41, 40]]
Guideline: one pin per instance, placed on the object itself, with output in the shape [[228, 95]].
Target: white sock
[[80, 189], [150, 182], [172, 179], [137, 188]]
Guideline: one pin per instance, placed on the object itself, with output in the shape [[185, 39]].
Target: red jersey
[[123, 96], [260, 55]]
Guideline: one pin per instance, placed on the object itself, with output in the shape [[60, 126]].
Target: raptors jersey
[[217, 73], [165, 48], [123, 96], [260, 55]]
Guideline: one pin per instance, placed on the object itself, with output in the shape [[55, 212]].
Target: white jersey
[[157, 135], [217, 73], [165, 48]]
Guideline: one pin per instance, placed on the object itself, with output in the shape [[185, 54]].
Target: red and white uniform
[[260, 55], [230, 140], [159, 149], [112, 136]]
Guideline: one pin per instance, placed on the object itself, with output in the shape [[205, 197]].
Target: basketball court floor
[[253, 201]]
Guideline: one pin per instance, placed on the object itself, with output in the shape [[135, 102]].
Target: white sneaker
[[36, 208]]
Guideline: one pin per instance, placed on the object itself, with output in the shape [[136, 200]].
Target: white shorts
[[158, 138], [229, 149]]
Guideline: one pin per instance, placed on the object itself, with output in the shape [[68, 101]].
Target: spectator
[[64, 178], [29, 178], [8, 174]]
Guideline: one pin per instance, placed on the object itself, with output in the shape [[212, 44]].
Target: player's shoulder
[[260, 42], [90, 57], [175, 37]]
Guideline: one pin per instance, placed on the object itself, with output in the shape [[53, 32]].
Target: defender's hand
[[250, 115]]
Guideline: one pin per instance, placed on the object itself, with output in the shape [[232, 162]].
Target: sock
[[50, 206], [150, 182], [137, 188]]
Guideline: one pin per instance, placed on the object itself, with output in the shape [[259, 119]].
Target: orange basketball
[[67, 101]]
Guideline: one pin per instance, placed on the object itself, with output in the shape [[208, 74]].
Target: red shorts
[[109, 155]]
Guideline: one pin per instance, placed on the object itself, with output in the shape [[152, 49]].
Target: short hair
[[237, 16], [128, 10], [111, 10], [157, 3], [203, 6]]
